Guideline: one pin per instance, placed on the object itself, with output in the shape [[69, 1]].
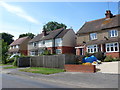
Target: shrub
[[79, 59], [108, 59], [116, 59], [87, 54], [46, 52], [100, 56], [15, 62]]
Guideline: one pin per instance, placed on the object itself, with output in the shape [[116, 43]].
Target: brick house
[[59, 41], [100, 35], [19, 46]]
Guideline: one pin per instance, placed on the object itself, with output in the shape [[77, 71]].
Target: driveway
[[109, 67]]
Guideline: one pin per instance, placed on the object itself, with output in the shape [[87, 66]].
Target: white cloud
[[19, 12]]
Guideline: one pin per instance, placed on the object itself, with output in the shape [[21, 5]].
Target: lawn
[[10, 67], [5, 64], [41, 70]]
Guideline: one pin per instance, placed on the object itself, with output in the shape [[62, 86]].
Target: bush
[[116, 59], [108, 59], [79, 59], [46, 52], [100, 56], [15, 62]]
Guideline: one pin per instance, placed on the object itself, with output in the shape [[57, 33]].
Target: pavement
[[109, 67], [78, 79]]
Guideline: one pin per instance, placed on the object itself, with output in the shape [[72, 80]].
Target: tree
[[52, 25], [27, 34], [7, 38], [4, 49]]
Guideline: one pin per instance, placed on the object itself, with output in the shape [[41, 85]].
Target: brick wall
[[65, 49], [25, 52], [113, 54], [80, 68]]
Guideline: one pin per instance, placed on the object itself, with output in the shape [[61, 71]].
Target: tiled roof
[[18, 41], [59, 33], [100, 24]]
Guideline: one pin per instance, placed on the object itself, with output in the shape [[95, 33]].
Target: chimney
[[108, 14], [44, 32]]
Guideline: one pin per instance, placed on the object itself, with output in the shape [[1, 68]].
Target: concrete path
[[109, 67]]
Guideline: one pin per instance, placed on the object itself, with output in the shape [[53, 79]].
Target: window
[[92, 49], [48, 43], [34, 44], [32, 53], [93, 36], [17, 46], [113, 33], [112, 47], [58, 42], [58, 51]]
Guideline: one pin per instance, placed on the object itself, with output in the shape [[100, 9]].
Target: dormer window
[[113, 33], [93, 36]]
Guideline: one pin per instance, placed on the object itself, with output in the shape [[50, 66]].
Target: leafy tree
[[27, 34], [7, 38], [52, 25], [4, 49]]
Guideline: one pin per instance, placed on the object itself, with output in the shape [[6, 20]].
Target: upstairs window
[[93, 36], [34, 44], [113, 33]]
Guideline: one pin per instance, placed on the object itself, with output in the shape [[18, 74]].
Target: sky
[[22, 17]]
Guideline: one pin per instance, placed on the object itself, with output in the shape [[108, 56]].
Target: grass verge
[[41, 70], [11, 67], [5, 64]]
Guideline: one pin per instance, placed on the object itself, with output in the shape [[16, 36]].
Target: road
[[9, 81], [17, 79]]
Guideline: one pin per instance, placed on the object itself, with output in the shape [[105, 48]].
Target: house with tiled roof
[[60, 41], [102, 35], [19, 46]]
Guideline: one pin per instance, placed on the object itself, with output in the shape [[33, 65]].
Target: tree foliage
[[4, 49], [52, 25], [31, 35], [7, 38]]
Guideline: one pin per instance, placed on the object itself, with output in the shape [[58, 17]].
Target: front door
[[81, 51]]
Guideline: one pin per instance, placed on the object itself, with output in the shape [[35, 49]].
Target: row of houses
[[101, 35]]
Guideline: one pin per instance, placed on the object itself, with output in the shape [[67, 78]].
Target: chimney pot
[[108, 14]]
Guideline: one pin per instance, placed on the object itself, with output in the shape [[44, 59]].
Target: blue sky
[[23, 17]]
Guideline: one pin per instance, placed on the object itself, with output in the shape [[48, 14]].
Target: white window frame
[[93, 36], [34, 44], [108, 45], [91, 48], [113, 33], [32, 53], [58, 42], [17, 46], [58, 52]]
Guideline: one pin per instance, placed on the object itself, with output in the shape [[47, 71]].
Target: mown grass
[[11, 67], [5, 64], [41, 70]]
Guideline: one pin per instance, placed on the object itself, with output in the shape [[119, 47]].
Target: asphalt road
[[9, 81]]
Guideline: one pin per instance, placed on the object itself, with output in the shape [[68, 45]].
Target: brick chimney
[[44, 32], [108, 14]]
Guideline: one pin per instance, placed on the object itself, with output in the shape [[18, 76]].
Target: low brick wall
[[80, 68]]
